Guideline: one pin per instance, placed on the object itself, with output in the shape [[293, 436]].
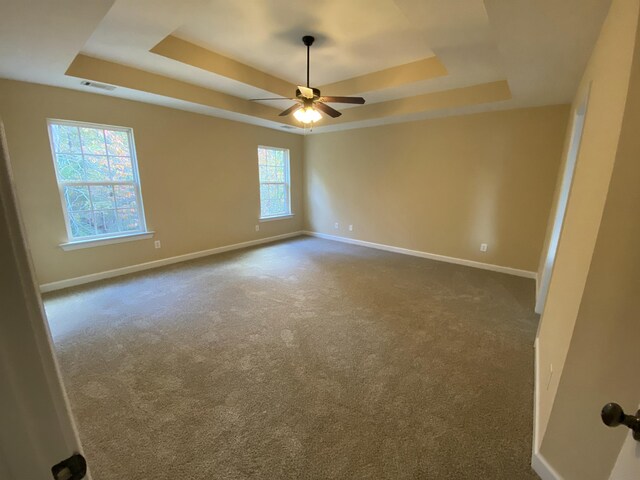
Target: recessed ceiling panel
[[354, 37]]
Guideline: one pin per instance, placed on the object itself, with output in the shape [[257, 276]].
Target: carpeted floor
[[302, 359]]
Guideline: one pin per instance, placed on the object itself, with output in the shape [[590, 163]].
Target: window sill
[[279, 217], [96, 242]]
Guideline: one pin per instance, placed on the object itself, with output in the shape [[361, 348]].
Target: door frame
[[38, 429], [573, 152]]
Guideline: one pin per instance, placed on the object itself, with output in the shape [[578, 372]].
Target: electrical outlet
[[257, 228], [351, 228], [157, 244], [483, 247], [336, 225]]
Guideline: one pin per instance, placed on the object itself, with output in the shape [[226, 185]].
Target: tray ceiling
[[410, 59]]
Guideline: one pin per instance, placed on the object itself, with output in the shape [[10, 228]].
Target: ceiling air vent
[[288, 127], [101, 86]]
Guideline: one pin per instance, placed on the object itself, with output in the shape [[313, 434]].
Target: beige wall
[[603, 358], [494, 185], [607, 76], [199, 177], [441, 186]]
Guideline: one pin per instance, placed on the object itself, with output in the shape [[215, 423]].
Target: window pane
[[265, 204], [273, 168], [117, 143], [262, 156], [102, 197], [66, 139], [276, 159], [273, 200], [280, 198], [96, 168], [268, 156], [69, 167], [128, 219], [121, 169], [77, 198], [105, 221], [98, 177], [125, 196], [81, 224], [279, 173], [92, 141], [269, 173]]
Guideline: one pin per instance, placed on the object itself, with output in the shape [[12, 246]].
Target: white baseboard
[[542, 468], [72, 282], [431, 256]]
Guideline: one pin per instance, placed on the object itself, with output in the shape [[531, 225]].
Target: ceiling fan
[[309, 102]]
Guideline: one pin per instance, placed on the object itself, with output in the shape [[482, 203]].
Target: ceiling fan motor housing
[[316, 94]]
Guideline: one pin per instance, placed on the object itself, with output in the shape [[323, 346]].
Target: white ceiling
[[539, 46], [39, 39], [352, 37]]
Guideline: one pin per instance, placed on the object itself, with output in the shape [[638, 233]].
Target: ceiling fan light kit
[[307, 115], [309, 100]]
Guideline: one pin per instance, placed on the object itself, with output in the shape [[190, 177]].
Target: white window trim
[[96, 242], [289, 214], [108, 238], [276, 217]]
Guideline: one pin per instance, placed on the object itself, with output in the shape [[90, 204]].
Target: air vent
[[101, 86], [288, 127]]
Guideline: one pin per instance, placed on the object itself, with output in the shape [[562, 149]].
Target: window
[[98, 180], [275, 199]]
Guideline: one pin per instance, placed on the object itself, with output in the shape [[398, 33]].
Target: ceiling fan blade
[[306, 92], [289, 110], [357, 100], [272, 98], [333, 113]]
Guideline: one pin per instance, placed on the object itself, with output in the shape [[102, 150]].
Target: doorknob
[[613, 415], [73, 468]]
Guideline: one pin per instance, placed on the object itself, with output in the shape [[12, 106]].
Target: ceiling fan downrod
[[308, 41]]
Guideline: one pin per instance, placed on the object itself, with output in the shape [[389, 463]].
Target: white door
[[37, 427]]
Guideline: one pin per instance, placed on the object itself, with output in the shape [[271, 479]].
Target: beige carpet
[[303, 359]]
